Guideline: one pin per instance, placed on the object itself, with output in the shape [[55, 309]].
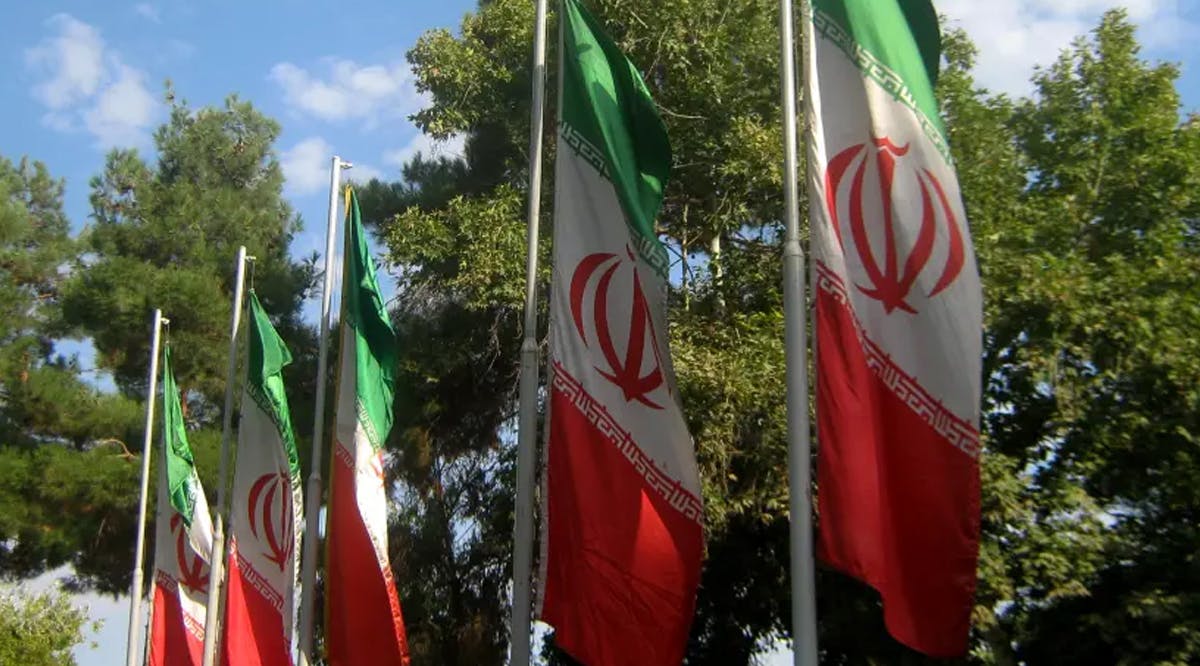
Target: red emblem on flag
[[193, 570], [891, 283], [270, 515], [635, 382]]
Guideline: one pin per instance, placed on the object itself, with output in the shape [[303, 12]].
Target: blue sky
[[88, 76], [82, 77]]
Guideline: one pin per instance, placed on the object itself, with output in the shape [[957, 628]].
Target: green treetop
[[165, 235]]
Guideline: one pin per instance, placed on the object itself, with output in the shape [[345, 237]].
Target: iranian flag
[[622, 530], [898, 322], [182, 545], [363, 622], [266, 510]]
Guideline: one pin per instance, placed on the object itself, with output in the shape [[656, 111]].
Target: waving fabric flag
[[266, 510], [622, 530], [898, 322], [183, 543], [363, 622]]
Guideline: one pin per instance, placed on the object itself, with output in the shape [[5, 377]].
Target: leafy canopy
[[40, 629], [1083, 205]]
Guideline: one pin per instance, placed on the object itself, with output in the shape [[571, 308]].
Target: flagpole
[[216, 562], [520, 629], [308, 570], [804, 598], [135, 590]]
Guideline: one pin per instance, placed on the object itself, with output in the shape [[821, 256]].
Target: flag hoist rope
[[312, 522], [519, 617], [216, 560], [804, 604], [135, 589]]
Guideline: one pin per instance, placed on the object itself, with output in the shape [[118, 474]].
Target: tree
[[1097, 337], [457, 235], [39, 629], [163, 236], [1083, 208], [166, 235], [42, 396], [59, 436], [451, 536], [34, 242]]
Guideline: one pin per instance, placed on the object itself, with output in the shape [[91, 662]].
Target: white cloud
[[350, 91], [1016, 35], [427, 146], [85, 86], [122, 111], [74, 59], [306, 166], [148, 12]]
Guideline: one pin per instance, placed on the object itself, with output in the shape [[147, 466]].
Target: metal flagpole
[[804, 598], [135, 590], [216, 559], [520, 628], [312, 522]]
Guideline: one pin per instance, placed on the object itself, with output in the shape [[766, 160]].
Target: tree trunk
[[718, 273]]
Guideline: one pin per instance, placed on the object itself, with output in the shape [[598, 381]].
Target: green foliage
[[1083, 207], [1083, 201], [468, 249], [451, 536], [712, 67], [39, 629], [59, 506], [34, 243], [62, 443], [452, 543], [731, 375], [165, 236], [1097, 336]]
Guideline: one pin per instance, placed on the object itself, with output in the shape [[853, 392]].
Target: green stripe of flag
[[606, 102], [266, 357], [897, 43], [181, 467], [375, 341]]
